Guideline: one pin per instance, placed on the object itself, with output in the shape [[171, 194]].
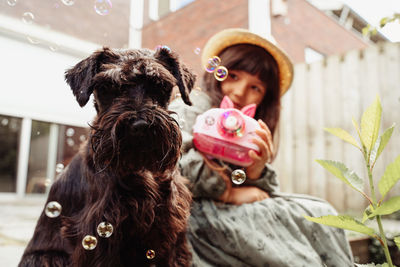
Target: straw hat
[[225, 38]]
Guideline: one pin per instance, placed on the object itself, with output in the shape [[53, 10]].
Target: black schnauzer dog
[[121, 201]]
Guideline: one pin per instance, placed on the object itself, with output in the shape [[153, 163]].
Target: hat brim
[[229, 37]]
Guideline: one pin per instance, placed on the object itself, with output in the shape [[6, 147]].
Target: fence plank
[[389, 71], [330, 95], [315, 125], [351, 94], [333, 105], [301, 150], [284, 161]]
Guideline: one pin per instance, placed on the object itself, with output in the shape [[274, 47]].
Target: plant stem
[[371, 184], [378, 217], [385, 247]]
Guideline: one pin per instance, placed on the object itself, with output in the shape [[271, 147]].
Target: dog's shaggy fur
[[126, 174]]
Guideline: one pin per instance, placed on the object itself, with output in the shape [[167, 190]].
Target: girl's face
[[243, 88]]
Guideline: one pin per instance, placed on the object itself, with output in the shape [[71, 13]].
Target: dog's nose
[[139, 126]]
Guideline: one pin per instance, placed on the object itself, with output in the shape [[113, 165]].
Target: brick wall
[[190, 27], [306, 26]]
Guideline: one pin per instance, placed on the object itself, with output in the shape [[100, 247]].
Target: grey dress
[[272, 232]]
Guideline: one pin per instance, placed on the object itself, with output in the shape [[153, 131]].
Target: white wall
[[32, 84]]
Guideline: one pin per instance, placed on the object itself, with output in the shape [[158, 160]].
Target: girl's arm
[[205, 181]]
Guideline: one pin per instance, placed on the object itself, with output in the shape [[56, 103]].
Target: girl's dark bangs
[[251, 61]]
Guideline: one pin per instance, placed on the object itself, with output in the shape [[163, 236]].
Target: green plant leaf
[[343, 173], [365, 30], [383, 21], [381, 143], [397, 241], [387, 207], [343, 222], [342, 134], [367, 213], [390, 177], [370, 123]]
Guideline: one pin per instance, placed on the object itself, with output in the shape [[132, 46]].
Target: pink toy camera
[[226, 132]]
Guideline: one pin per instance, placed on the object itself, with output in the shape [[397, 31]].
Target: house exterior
[[297, 26], [42, 126]]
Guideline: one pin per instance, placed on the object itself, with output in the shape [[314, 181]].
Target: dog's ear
[[80, 77], [184, 77]]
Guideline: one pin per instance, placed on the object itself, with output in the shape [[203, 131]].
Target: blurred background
[[338, 73]]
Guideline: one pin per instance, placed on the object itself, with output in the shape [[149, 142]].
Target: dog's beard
[[128, 138]]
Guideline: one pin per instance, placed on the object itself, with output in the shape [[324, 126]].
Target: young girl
[[251, 224]]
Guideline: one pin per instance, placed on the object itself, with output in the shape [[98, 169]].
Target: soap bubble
[[68, 2], [102, 7], [47, 182], [53, 209], [221, 73], [210, 120], [197, 51], [70, 132], [105, 229], [162, 46], [11, 2], [70, 142], [150, 254], [32, 40], [89, 242], [4, 122], [238, 176], [212, 64], [54, 47], [28, 18], [181, 122], [59, 167]]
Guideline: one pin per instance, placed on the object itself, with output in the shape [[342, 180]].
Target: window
[[10, 131], [52, 147]]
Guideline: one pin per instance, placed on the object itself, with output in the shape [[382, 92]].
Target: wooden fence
[[329, 94]]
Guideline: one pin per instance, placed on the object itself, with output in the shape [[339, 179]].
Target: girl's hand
[[245, 194], [265, 155]]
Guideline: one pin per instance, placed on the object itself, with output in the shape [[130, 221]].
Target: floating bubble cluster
[[102, 7], [53, 209], [105, 229], [89, 242], [212, 64], [221, 73], [238, 176]]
